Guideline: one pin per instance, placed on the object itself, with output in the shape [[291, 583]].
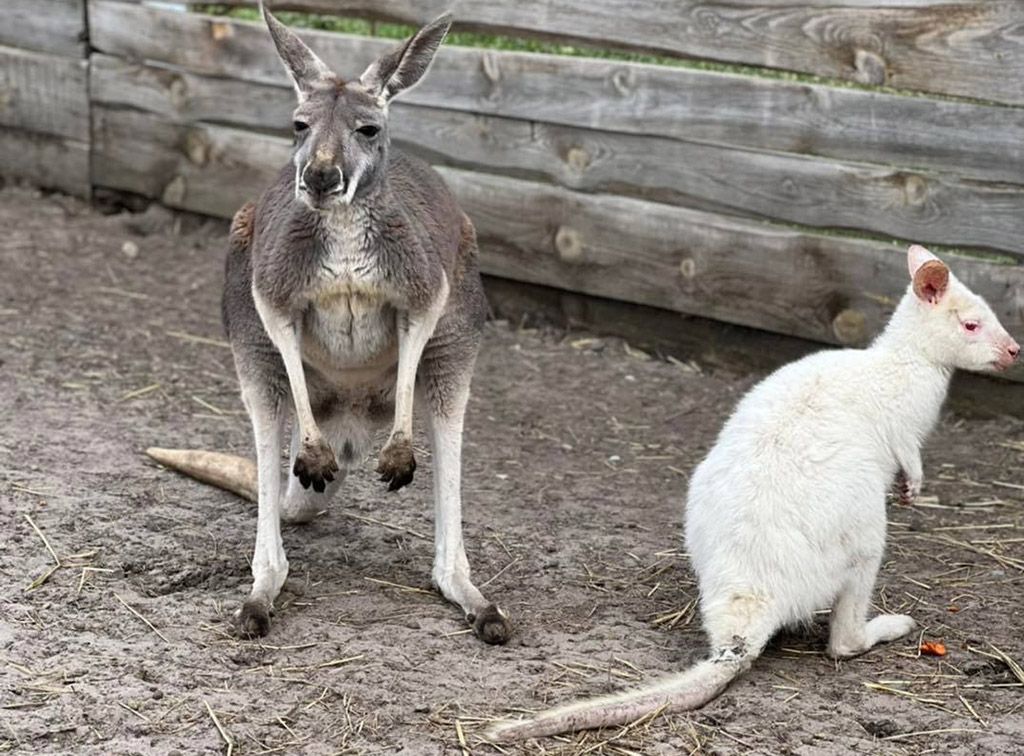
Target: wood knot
[[869, 68], [849, 327], [197, 148], [688, 268], [221, 30], [707, 20], [577, 158], [174, 192], [569, 243], [491, 69], [624, 81], [177, 92], [915, 189]]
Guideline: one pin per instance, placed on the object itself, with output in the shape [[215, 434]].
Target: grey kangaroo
[[352, 285]]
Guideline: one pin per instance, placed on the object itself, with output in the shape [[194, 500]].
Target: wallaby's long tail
[[227, 471], [688, 690]]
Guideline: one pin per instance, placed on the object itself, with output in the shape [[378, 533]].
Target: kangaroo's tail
[[227, 471], [688, 690]]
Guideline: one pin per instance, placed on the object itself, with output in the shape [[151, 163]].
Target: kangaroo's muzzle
[[322, 184]]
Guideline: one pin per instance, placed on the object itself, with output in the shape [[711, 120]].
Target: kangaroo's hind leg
[[445, 376], [451, 573], [267, 411]]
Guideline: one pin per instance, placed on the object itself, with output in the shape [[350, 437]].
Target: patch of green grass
[[402, 31], [995, 257], [385, 30], [502, 42]]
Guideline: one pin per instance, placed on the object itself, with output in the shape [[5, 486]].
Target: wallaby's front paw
[[906, 490], [397, 463], [315, 465]]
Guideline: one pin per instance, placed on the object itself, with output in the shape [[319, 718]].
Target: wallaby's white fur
[[786, 515]]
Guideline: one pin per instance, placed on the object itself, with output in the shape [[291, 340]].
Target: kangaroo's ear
[[403, 67], [302, 64]]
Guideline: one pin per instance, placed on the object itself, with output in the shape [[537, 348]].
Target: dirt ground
[[577, 455]]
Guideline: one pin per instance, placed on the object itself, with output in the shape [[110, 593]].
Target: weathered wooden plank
[[53, 26], [919, 205], [680, 103], [976, 44], [710, 343], [738, 271], [46, 161], [44, 93], [729, 269], [211, 170]]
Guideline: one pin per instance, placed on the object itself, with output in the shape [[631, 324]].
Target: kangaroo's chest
[[349, 327]]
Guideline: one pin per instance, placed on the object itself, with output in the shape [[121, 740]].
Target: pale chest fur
[[349, 327]]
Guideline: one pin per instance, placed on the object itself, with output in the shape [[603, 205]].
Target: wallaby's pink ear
[[930, 274], [917, 256]]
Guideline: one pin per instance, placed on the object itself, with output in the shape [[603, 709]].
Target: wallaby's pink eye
[[971, 325]]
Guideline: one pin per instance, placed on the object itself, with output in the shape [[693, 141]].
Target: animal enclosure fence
[[753, 162], [44, 94]]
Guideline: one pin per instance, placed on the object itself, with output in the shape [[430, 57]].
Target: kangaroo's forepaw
[[491, 625], [315, 465], [252, 620], [397, 463]]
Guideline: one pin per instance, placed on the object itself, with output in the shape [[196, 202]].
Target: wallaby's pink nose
[[1013, 350]]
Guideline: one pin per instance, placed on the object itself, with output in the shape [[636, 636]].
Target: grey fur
[[305, 68], [403, 68], [351, 277]]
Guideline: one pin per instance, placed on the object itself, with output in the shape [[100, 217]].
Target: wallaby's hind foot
[[881, 629], [397, 463], [889, 627], [315, 465], [851, 634], [491, 625], [252, 620]]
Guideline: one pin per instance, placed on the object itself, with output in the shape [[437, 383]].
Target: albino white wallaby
[[787, 512], [351, 286]]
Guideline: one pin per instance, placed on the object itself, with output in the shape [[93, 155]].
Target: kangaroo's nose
[[322, 179], [1013, 350]]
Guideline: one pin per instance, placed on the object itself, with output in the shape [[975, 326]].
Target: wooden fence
[[758, 194], [44, 93]]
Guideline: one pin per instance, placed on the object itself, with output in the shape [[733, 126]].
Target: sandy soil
[[577, 455]]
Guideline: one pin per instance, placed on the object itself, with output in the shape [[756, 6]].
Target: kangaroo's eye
[[300, 126], [369, 130], [971, 325]]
